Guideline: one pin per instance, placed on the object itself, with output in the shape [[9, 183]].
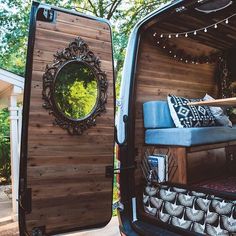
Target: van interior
[[186, 55], [190, 65]]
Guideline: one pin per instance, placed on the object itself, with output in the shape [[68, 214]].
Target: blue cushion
[[157, 115], [190, 136]]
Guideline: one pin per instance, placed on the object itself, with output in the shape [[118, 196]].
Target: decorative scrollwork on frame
[[74, 70]]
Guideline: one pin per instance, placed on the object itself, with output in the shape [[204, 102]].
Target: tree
[[76, 91], [5, 171], [14, 21]]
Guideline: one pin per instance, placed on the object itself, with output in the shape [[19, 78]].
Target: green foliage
[[5, 170], [14, 21], [4, 124], [76, 90]]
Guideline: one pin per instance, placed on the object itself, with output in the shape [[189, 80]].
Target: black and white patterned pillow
[[185, 116]]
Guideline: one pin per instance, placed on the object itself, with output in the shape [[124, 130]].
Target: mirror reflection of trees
[[76, 91]]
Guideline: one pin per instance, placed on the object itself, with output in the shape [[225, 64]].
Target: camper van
[[173, 134]]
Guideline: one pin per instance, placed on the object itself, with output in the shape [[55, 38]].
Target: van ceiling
[[222, 38]]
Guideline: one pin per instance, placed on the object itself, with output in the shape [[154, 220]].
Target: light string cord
[[182, 56], [194, 32]]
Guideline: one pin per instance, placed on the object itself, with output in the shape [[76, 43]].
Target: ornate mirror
[[74, 88]]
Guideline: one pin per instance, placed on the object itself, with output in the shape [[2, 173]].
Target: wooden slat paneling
[[158, 74]]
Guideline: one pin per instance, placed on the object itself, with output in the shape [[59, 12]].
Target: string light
[[180, 54], [186, 57], [194, 32]]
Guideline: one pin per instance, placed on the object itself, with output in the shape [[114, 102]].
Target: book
[[159, 164]]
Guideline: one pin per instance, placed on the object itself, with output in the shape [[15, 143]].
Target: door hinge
[[110, 170], [46, 14], [39, 231], [25, 198]]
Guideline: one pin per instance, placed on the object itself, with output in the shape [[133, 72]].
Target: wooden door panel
[[65, 174]]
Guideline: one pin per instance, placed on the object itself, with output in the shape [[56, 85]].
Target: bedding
[[191, 210], [190, 136], [218, 113]]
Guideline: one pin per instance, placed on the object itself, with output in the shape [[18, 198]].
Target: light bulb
[[186, 35], [169, 36], [161, 36], [164, 46], [177, 35], [170, 52], [215, 26], [205, 30], [158, 42], [227, 21], [195, 32], [174, 56], [155, 34]]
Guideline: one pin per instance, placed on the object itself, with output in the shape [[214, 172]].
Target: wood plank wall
[[158, 75], [67, 173]]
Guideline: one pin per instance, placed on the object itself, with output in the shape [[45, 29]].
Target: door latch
[[110, 171]]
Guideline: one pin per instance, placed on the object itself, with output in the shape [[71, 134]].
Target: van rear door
[[66, 157]]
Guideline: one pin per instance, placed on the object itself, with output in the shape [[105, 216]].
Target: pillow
[[185, 116], [218, 113], [157, 115]]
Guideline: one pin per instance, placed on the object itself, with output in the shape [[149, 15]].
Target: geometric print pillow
[[185, 116], [190, 210]]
